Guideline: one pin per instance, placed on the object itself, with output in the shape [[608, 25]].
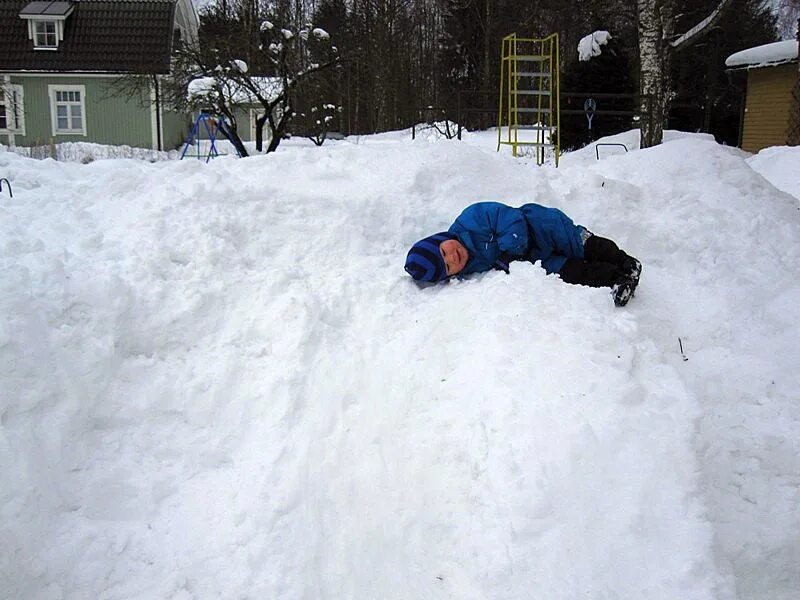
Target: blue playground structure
[[212, 125]]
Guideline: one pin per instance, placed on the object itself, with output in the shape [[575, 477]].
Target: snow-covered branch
[[702, 27]]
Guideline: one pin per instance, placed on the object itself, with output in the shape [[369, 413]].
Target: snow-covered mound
[[217, 381], [87, 152], [781, 166]]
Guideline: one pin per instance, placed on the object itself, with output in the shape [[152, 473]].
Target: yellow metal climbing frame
[[529, 96]]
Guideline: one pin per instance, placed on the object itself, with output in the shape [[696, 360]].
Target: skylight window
[[44, 35], [46, 22]]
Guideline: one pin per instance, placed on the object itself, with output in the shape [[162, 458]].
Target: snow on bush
[[589, 46]]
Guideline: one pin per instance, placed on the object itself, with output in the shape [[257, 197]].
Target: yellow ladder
[[529, 95]]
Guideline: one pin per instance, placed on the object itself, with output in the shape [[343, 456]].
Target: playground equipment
[[597, 148], [529, 95], [8, 185], [212, 125]]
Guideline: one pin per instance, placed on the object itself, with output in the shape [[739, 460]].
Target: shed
[[772, 74]]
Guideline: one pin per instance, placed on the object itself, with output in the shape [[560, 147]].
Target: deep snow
[[217, 380]]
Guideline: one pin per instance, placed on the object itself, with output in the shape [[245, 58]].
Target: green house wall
[[111, 118], [174, 127]]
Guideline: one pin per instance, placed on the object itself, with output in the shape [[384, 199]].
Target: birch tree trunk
[[656, 22], [487, 38], [654, 71]]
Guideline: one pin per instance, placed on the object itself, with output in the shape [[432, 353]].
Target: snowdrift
[[218, 381]]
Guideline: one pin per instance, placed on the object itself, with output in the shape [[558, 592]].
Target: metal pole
[[8, 185], [558, 103], [458, 112]]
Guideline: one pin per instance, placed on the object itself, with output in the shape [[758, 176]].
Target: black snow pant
[[603, 264]]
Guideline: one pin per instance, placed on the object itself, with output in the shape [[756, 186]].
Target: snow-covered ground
[[217, 380]]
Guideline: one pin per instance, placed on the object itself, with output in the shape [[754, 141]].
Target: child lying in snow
[[489, 235]]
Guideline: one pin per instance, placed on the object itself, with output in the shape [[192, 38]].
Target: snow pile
[[86, 152], [624, 142], [590, 46], [779, 165], [219, 382], [766, 55]]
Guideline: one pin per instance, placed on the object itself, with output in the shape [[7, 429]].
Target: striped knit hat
[[424, 261]]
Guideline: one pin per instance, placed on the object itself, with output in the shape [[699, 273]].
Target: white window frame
[[34, 36], [13, 101], [40, 38], [52, 92]]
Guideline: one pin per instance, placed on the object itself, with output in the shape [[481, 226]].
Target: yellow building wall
[[769, 97]]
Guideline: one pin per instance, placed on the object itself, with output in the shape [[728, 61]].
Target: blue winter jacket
[[530, 232]]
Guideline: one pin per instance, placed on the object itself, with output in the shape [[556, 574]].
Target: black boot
[[601, 274], [624, 290]]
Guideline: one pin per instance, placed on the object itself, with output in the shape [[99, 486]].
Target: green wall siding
[[110, 119], [175, 127]]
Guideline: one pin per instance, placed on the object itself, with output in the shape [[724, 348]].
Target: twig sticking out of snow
[[680, 345]]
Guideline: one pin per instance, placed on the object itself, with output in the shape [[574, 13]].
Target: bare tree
[[295, 58], [285, 58], [657, 44], [788, 14], [318, 122]]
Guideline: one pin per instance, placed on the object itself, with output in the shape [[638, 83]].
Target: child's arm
[[512, 231], [492, 222]]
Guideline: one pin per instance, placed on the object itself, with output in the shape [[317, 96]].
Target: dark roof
[[47, 8], [111, 36]]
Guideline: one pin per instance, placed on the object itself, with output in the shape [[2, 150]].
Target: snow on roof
[[203, 86], [764, 56]]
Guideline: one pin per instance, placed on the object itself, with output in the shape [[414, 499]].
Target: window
[[11, 109], [68, 111], [46, 22], [3, 118], [67, 107], [45, 34]]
